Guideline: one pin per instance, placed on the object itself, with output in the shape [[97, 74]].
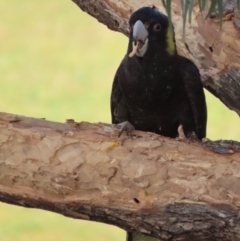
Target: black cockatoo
[[154, 88]]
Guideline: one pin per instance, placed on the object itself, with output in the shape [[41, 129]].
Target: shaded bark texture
[[216, 52], [145, 182]]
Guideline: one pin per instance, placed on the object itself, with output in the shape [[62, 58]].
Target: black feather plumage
[[160, 90]]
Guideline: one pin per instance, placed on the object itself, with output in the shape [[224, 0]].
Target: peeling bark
[[167, 188], [215, 52]]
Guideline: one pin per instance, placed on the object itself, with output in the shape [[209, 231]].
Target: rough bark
[[167, 188], [216, 53]]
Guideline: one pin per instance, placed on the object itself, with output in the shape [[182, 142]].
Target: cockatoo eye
[[157, 27]]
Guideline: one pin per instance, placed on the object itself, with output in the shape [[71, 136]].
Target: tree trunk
[[145, 183], [216, 52]]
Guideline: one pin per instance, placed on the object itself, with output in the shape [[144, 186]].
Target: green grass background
[[57, 62]]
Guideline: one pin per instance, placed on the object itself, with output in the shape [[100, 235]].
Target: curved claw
[[125, 126], [192, 136]]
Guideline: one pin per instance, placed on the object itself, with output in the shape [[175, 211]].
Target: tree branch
[[215, 52], [163, 187]]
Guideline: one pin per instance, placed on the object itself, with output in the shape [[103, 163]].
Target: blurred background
[[57, 62]]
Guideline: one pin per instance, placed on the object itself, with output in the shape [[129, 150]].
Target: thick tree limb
[[217, 53], [163, 187]]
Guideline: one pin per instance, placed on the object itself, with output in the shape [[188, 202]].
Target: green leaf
[[238, 3], [167, 6], [184, 5], [220, 11], [190, 9], [164, 3], [204, 4], [211, 9], [187, 8]]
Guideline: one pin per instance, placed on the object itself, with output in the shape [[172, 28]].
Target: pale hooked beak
[[140, 38]]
